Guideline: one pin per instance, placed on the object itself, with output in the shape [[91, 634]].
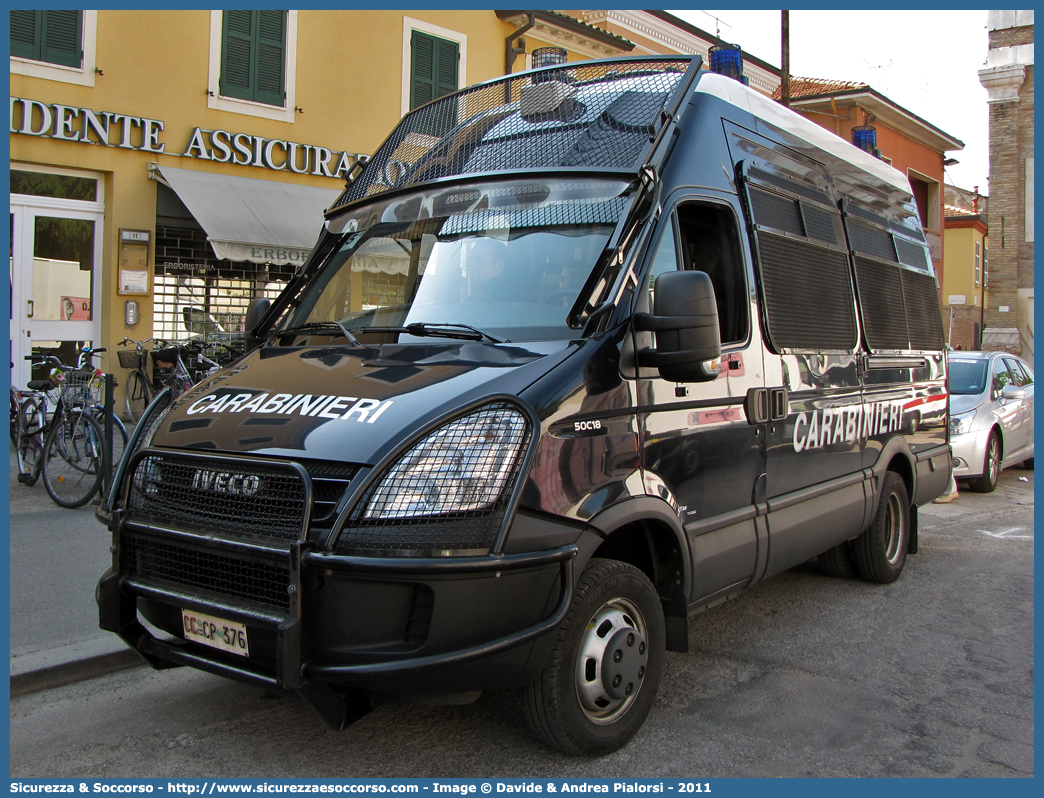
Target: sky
[[928, 62]]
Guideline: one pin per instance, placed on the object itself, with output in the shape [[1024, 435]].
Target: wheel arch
[[646, 533]]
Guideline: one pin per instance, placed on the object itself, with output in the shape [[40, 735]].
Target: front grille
[[330, 480], [218, 573], [237, 497]]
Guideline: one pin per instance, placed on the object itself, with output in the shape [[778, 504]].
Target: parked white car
[[991, 415]]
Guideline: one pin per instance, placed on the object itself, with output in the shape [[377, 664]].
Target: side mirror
[[1013, 392], [257, 309], [685, 320]]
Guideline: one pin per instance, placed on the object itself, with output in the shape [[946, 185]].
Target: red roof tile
[[811, 87]]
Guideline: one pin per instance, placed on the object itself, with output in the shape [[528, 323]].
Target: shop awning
[[245, 219]]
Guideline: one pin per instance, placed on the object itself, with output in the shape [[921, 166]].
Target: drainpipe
[[511, 51]]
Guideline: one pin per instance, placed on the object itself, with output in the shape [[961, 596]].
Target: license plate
[[215, 632]]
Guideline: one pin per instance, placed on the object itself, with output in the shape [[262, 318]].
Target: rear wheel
[[137, 396], [1028, 464], [991, 466], [601, 679], [880, 552], [30, 421], [72, 459]]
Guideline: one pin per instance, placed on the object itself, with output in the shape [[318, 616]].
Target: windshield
[[967, 376], [506, 260]]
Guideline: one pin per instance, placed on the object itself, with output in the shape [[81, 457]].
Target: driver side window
[[704, 237]]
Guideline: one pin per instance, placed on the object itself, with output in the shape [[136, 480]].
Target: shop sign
[[180, 267], [86, 126]]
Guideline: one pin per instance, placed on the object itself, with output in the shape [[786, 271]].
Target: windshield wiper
[[318, 326], [423, 329]]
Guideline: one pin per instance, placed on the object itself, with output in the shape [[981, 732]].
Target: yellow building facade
[[169, 166], [965, 277]]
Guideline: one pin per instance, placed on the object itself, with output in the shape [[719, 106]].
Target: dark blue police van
[[579, 353]]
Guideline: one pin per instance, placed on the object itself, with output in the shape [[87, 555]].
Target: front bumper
[[350, 625], [969, 452]]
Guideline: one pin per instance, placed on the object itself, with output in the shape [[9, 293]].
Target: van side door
[[815, 492], [697, 445]]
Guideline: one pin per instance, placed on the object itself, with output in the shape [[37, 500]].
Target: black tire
[[1028, 464], [616, 620], [137, 396], [14, 418], [880, 552], [991, 466], [30, 422], [72, 459], [839, 562]]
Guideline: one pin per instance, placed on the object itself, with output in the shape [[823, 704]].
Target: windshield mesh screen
[[594, 115]]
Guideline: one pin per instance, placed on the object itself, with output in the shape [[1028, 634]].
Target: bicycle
[[30, 422], [138, 393], [73, 455]]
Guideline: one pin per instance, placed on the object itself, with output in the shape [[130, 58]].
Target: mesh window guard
[[593, 115]]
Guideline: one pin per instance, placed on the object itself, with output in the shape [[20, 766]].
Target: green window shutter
[[236, 46], [253, 56], [433, 68], [271, 57], [62, 36], [24, 27], [422, 70], [52, 36]]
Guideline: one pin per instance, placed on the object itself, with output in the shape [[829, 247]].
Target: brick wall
[[1011, 142]]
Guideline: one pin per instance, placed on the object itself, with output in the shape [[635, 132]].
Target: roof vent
[[727, 59]]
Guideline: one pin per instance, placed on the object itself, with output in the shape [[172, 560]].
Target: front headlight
[[962, 423], [467, 465]]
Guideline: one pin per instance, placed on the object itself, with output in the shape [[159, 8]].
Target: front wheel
[[72, 459], [880, 552], [600, 682], [991, 466]]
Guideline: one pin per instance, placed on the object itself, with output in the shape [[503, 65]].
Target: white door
[[56, 265]]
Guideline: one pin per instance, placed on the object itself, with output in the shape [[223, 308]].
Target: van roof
[[770, 111], [586, 116]]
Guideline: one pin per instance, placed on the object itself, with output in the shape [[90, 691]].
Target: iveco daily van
[[580, 352]]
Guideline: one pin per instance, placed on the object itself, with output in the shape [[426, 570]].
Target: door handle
[[32, 309]]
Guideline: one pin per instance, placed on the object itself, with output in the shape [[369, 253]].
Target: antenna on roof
[[718, 22]]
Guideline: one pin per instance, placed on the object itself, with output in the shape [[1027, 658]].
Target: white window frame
[[82, 75], [409, 25], [288, 113], [978, 262]]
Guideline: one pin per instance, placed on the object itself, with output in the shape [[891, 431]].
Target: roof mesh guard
[[589, 115]]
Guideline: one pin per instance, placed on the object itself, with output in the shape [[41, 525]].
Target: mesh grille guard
[[589, 115]]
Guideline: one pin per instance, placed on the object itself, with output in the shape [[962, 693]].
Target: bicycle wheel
[[31, 422], [138, 395], [14, 417], [72, 459]]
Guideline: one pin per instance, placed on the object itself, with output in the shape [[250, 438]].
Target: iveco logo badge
[[226, 482]]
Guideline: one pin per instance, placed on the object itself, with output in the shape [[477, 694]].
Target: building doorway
[[57, 220]]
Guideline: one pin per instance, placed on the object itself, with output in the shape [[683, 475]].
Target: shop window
[[54, 36], [58, 186], [253, 56]]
